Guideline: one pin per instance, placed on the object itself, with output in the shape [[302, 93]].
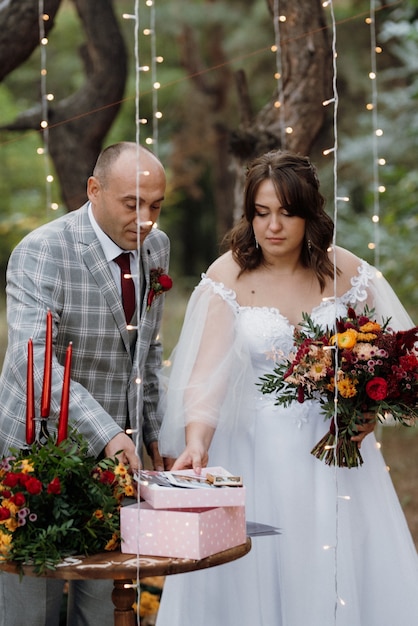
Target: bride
[[343, 554]]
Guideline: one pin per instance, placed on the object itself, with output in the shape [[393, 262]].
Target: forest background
[[218, 76]]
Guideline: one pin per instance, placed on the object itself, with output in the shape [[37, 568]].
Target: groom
[[68, 267]]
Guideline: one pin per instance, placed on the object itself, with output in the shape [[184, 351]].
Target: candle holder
[[62, 429], [43, 432]]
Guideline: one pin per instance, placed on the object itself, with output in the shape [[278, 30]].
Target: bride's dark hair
[[297, 186]]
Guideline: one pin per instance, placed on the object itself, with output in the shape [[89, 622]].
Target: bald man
[[68, 267]]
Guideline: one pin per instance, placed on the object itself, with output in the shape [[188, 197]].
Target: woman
[[344, 555]]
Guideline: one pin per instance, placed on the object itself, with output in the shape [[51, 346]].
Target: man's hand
[[125, 447]]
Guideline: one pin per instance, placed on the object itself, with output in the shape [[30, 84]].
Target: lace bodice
[[269, 334]]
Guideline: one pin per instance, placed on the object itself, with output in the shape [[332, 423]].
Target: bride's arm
[[199, 377]]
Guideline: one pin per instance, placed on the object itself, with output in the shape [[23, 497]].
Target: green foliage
[[57, 501]]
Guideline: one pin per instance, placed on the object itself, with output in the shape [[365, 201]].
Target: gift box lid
[[186, 489]]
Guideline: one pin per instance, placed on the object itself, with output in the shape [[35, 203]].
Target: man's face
[[114, 200]]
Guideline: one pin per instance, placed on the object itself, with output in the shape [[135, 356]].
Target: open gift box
[[191, 533], [172, 497]]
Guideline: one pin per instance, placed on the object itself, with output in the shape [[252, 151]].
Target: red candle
[[30, 398], [46, 389], [65, 397]]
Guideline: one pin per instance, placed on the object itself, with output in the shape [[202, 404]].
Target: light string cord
[[376, 133], [334, 150], [155, 84], [138, 381], [135, 432], [43, 40], [279, 104]]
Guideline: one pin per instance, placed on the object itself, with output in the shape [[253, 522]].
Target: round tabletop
[[121, 566], [124, 568]]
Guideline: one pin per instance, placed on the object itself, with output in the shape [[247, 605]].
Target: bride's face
[[276, 230]]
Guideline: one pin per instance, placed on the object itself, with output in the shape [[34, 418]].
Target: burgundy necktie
[[127, 284]]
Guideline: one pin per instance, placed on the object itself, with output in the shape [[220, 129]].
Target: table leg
[[123, 597]]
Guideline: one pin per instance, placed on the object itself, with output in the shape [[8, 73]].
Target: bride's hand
[[192, 457], [365, 429]]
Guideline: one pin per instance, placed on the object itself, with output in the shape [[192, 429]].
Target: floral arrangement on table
[[55, 501], [159, 284], [362, 368]]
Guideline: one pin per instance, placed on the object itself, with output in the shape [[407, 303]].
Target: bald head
[[116, 197], [127, 151]]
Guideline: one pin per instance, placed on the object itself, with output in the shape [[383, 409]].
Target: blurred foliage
[[246, 33]]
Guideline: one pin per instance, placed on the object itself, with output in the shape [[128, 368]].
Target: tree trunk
[[78, 124], [19, 33], [306, 82]]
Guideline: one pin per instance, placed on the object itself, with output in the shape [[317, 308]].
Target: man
[[67, 266]]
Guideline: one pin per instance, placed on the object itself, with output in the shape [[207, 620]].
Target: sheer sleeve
[[205, 377], [386, 303]]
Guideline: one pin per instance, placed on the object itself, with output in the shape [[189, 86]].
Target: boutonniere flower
[[160, 283]]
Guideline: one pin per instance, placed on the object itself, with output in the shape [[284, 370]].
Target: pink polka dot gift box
[[184, 515]]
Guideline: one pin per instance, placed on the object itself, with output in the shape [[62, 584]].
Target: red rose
[[4, 513], [377, 388], [23, 479], [11, 480], [165, 282], [18, 499], [33, 486], [107, 477], [54, 486]]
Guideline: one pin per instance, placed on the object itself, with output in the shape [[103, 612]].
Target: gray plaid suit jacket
[[61, 266]]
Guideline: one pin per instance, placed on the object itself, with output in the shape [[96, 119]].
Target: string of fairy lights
[[152, 140], [377, 132], [46, 97], [280, 17]]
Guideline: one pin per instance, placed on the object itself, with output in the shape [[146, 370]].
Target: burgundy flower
[[406, 339], [351, 314]]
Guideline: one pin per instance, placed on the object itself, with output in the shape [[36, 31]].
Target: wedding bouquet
[[55, 501], [363, 367]]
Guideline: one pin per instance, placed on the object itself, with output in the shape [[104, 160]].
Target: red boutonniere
[[160, 283]]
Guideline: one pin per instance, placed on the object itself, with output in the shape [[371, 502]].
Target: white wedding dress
[[344, 555]]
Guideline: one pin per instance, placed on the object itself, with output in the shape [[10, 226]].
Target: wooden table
[[124, 568]]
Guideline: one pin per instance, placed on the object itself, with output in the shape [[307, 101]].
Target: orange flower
[[371, 327], [113, 543], [346, 340], [366, 337], [347, 387]]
